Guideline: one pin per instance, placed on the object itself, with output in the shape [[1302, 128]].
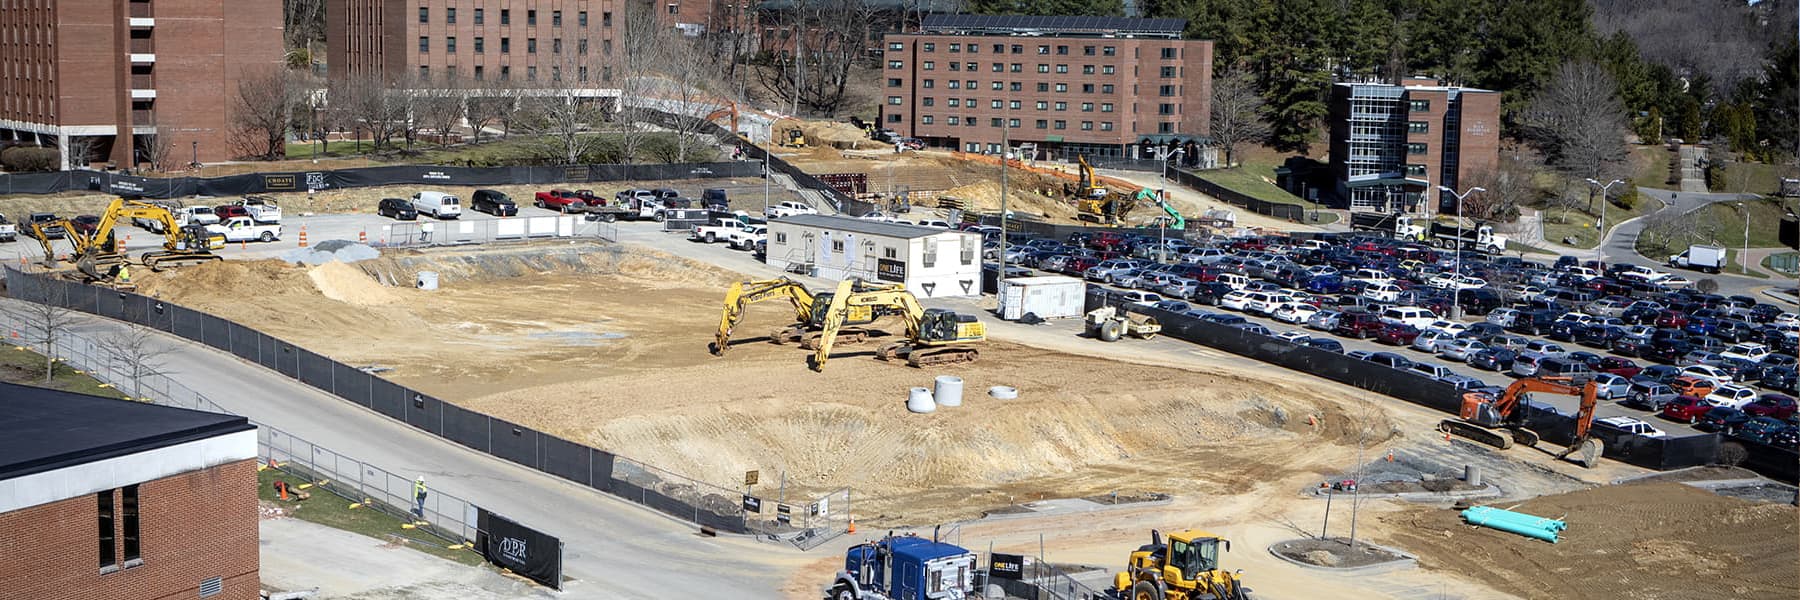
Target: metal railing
[[422, 233]]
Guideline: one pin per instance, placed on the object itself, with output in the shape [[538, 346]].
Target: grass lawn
[[1726, 221], [1650, 167], [1752, 177], [1734, 267], [25, 367], [1579, 224], [326, 508], [1255, 177]]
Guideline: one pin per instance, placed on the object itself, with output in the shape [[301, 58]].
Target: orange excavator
[[1498, 422]]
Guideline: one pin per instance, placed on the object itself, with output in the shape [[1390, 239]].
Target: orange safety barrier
[[302, 236], [362, 237]]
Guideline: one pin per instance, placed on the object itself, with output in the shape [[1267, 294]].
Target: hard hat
[[421, 478]]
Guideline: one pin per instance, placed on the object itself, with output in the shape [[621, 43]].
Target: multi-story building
[[105, 498], [513, 41], [1102, 86], [110, 74], [1393, 145]]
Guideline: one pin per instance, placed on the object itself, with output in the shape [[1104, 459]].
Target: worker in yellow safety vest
[[124, 273], [419, 492]]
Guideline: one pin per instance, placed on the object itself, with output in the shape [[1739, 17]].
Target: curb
[[1406, 561], [1488, 490]]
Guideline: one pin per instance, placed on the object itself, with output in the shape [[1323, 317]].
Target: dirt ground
[[934, 174], [1650, 540], [609, 348]]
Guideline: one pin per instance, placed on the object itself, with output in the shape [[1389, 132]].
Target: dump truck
[[1480, 238], [905, 567], [1397, 226]]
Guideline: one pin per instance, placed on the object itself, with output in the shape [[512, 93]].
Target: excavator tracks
[[931, 357], [809, 340], [1497, 438]]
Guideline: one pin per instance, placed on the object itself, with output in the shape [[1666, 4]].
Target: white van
[[437, 204], [1234, 280], [1409, 315]]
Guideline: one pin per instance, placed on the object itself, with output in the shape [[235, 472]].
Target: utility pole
[[1601, 228], [1005, 149], [1744, 255], [1456, 268]]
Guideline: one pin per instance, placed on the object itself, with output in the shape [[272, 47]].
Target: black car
[[1479, 301], [1629, 346], [1599, 336], [1534, 322], [1564, 331], [494, 203], [714, 199], [398, 208], [1493, 359], [1390, 360], [1326, 344], [1723, 419], [1209, 293]]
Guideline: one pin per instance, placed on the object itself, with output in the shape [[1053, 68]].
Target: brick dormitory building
[[113, 72], [1396, 143], [1098, 86], [515, 41], [104, 498]]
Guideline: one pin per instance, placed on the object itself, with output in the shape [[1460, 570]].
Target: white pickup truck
[[246, 229], [746, 237], [720, 228], [263, 210], [789, 208], [8, 231]]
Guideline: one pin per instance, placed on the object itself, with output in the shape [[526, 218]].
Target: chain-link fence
[[425, 232]]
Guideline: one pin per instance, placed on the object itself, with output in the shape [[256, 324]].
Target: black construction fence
[[698, 502], [1662, 454], [257, 183], [1198, 181]]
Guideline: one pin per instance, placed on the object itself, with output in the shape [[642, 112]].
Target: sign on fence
[[1006, 566], [521, 549], [752, 504]]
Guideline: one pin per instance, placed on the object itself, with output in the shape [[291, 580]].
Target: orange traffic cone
[[302, 236], [362, 237], [852, 525]]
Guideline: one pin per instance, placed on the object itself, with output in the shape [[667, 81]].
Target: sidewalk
[[299, 555]]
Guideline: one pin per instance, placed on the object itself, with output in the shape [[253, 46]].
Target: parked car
[[1692, 386], [1723, 419], [1686, 409], [1622, 367], [1630, 425], [1293, 312], [1459, 349], [1709, 373], [437, 204], [1648, 395], [1493, 359], [1611, 387], [1398, 334], [1749, 351], [397, 208], [560, 200], [225, 211], [1431, 340], [1326, 344], [1764, 430], [1390, 360], [1324, 320], [1731, 396], [493, 202], [1779, 406]]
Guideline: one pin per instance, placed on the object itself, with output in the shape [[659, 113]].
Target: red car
[[1398, 334], [1686, 409], [1622, 367], [559, 200], [230, 210], [1672, 319], [1774, 406], [1106, 241], [1359, 325], [1079, 264]]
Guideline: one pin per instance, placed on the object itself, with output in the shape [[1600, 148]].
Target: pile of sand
[[985, 196], [344, 283], [1649, 540]]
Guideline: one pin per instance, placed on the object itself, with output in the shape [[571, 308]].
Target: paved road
[[613, 548], [1621, 242]]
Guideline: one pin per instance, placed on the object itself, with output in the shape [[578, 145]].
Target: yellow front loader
[[1185, 568]]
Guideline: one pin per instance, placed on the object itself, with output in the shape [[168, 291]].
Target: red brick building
[[113, 71], [436, 41], [117, 500], [1099, 86], [1398, 143]]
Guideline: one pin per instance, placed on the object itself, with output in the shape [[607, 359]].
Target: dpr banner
[[523, 550]]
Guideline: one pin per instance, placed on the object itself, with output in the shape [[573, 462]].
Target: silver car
[[1179, 288], [1459, 349], [1324, 320]]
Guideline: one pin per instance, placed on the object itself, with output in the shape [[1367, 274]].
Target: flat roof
[[868, 226], [1025, 25], [44, 429]]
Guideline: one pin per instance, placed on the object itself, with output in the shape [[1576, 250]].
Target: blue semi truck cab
[[905, 568]]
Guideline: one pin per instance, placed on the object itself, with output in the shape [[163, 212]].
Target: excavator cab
[[1184, 568], [944, 326]]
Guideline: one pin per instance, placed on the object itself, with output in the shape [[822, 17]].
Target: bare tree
[[828, 38], [1509, 183], [138, 357], [1579, 122], [688, 87], [47, 324], [368, 103], [490, 103], [441, 109], [1237, 112], [159, 147], [263, 109], [559, 115], [79, 150], [303, 22]]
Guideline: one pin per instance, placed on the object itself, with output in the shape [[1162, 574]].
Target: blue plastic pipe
[[1513, 522]]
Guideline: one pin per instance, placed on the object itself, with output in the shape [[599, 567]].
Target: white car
[[1371, 276], [1452, 281], [1451, 327], [1139, 297], [1264, 303], [1716, 376], [1295, 336], [940, 224], [789, 208], [1750, 351], [1382, 292], [1787, 318], [1234, 300], [1671, 282], [1631, 425], [1294, 312], [1578, 318], [1731, 396]]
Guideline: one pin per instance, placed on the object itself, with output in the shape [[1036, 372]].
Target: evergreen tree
[[1441, 38], [1526, 41], [1230, 24], [1773, 103], [1364, 38], [1290, 57]]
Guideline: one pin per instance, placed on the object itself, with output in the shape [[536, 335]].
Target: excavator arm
[[1590, 448], [1509, 400], [879, 299], [1152, 197], [744, 293]]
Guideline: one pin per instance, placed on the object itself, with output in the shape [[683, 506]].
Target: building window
[[1106, 70], [893, 82], [971, 67], [1087, 107], [1165, 128], [606, 19], [505, 73], [1165, 91], [894, 64], [450, 45], [424, 15], [1108, 51], [1042, 105], [994, 104], [969, 85], [531, 45], [674, 9], [928, 83], [1165, 109], [1016, 86], [893, 118], [128, 510], [1043, 68], [505, 16], [1415, 148], [480, 74], [953, 120], [1087, 69], [606, 73], [955, 84], [1043, 49], [1106, 126], [928, 47], [896, 46], [1087, 88], [1418, 127], [1415, 170], [108, 556], [894, 100], [1087, 125], [531, 73], [1167, 72], [890, 253], [999, 86], [928, 252], [1106, 88], [531, 18], [581, 46], [927, 101], [1016, 68], [1012, 122], [1043, 87], [556, 18], [994, 122], [970, 122], [1042, 124], [999, 67], [781, 238], [1418, 105], [1087, 50], [955, 102], [581, 19], [424, 45], [450, 16], [1062, 87], [1016, 49], [1062, 68], [480, 45], [925, 120], [1169, 54], [1106, 107], [1061, 124], [556, 46], [505, 45], [480, 17], [1062, 106], [837, 245], [927, 65], [424, 73], [973, 48], [1062, 49]]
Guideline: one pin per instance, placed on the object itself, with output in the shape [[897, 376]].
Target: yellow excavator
[[933, 336], [808, 312], [1184, 568], [1112, 208], [1500, 423], [96, 255]]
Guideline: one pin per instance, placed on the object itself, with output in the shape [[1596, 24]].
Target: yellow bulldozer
[[933, 336], [1184, 568], [809, 310]]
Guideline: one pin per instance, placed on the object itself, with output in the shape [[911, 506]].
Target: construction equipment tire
[[1111, 330], [1145, 590]]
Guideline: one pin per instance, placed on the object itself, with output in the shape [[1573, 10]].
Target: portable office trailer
[[930, 262], [1051, 297]]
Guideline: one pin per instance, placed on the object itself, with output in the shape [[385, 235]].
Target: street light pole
[[1744, 256], [1455, 283], [1601, 228], [1005, 149]]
